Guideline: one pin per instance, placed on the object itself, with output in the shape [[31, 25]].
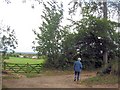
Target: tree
[[68, 46], [96, 36], [8, 39], [51, 33], [100, 9]]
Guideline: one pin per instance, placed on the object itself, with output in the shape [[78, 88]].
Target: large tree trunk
[[119, 15], [105, 58], [105, 54], [105, 9]]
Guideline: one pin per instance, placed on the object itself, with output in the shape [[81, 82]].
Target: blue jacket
[[77, 66]]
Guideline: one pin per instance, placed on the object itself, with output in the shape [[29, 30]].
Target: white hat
[[79, 59]]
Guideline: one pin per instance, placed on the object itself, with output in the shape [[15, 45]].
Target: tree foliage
[[106, 10], [94, 35], [8, 39], [51, 33]]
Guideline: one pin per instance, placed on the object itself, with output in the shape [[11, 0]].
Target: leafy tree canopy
[[8, 39]]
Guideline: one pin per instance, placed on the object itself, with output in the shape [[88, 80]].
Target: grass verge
[[98, 80], [10, 77]]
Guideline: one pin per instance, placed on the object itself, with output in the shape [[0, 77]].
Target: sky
[[23, 19]]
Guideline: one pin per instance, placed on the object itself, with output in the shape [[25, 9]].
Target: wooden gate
[[20, 68]]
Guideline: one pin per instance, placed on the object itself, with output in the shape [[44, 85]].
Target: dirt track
[[61, 81]]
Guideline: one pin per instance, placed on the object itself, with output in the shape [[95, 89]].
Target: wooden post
[[4, 65], [27, 67]]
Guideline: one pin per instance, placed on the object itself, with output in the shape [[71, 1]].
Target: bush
[[91, 64], [114, 68], [58, 62]]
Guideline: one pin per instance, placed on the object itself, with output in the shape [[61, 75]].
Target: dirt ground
[[57, 81]]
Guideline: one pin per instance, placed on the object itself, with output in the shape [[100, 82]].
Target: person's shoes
[[74, 79]]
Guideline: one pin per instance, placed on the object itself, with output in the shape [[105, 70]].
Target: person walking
[[77, 69]]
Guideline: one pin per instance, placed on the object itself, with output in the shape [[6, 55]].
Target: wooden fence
[[22, 68]]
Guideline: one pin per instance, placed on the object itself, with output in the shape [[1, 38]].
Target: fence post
[[4, 65], [27, 67]]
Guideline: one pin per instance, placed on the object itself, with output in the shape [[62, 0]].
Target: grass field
[[24, 60]]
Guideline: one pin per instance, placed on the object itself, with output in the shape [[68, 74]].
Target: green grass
[[10, 77], [24, 60], [106, 79]]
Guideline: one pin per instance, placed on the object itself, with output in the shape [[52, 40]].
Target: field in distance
[[24, 60]]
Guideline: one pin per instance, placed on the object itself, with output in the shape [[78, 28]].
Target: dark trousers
[[77, 76]]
